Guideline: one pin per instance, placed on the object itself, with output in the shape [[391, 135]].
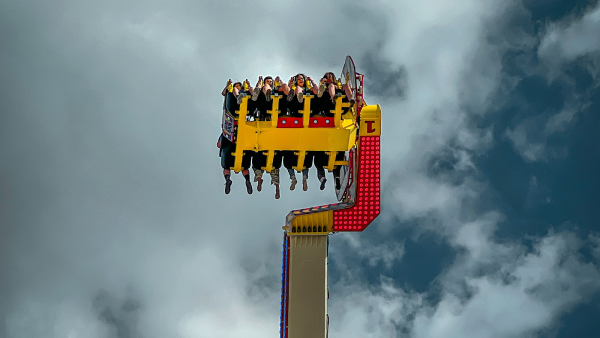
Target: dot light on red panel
[[366, 207]]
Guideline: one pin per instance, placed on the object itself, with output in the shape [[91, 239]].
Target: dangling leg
[[293, 179], [337, 179], [227, 175], [227, 160], [275, 180], [267, 91], [239, 95], [299, 94], [321, 176], [331, 89], [285, 88], [258, 178], [257, 89], [322, 88], [349, 94], [246, 174], [305, 179]]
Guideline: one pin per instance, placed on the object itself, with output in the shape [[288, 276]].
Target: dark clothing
[[227, 158], [289, 159], [294, 106], [321, 159], [340, 156], [324, 105], [262, 106], [283, 103], [231, 102], [308, 159], [259, 160], [277, 159]]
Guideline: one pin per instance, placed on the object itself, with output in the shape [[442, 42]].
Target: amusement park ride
[[349, 129]]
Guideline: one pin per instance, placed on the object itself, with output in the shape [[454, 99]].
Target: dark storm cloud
[[450, 165], [383, 78], [121, 315]]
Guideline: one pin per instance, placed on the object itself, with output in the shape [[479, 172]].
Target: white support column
[[307, 314]]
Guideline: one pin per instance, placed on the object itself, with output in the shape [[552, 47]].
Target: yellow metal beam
[[265, 136]]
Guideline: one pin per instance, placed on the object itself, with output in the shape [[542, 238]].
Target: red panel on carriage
[[321, 122], [289, 122]]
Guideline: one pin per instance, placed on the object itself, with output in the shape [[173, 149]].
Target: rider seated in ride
[[299, 87], [226, 149], [327, 103], [233, 98], [283, 90], [323, 106], [262, 96]]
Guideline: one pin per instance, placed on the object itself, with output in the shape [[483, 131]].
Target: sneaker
[[259, 185], [322, 88], [294, 182], [323, 181], [240, 97], [277, 195], [228, 187], [249, 187], [268, 95], [290, 95], [304, 184], [300, 97], [255, 93]]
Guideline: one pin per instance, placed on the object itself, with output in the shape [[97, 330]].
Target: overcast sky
[[113, 220]]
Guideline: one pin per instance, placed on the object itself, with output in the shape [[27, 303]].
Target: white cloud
[[383, 310], [561, 43], [512, 292], [567, 40], [387, 253], [531, 142], [524, 297], [530, 150], [114, 179]]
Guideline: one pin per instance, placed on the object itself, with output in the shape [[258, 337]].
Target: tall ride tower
[[349, 137]]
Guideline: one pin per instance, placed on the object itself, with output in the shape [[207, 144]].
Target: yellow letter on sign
[[370, 121]]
